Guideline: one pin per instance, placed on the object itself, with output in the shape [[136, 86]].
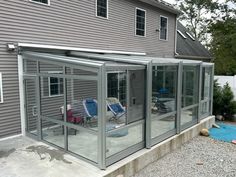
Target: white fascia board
[[78, 49]]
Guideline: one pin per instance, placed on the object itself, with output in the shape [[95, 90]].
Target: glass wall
[[190, 95], [164, 99], [206, 91], [102, 114], [125, 112]]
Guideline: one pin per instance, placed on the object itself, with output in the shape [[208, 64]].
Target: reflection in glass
[[53, 133], [164, 89], [188, 115], [124, 138], [83, 143], [164, 92], [190, 85]]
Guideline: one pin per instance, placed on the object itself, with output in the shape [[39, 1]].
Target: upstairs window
[[163, 28], [140, 22], [102, 8], [41, 1], [1, 91]]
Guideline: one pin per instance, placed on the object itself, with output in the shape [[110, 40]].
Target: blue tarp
[[225, 133]]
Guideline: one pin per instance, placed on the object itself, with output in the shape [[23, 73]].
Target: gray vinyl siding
[[72, 23]]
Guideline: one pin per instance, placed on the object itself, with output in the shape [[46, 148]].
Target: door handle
[[34, 111]]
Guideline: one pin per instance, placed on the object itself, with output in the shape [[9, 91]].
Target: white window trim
[[96, 10], [182, 34], [135, 17], [167, 24], [1, 96], [190, 35], [48, 4], [49, 83]]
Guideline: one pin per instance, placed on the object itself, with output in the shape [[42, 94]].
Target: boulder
[[220, 117], [204, 132]]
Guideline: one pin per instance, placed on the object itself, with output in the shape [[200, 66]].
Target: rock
[[199, 163], [215, 126], [220, 117], [204, 132], [120, 176]]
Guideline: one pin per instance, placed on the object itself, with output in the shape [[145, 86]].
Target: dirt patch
[[7, 153], [42, 150]]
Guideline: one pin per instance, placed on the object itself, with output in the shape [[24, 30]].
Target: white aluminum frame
[[167, 28], [96, 10], [1, 88], [145, 23], [41, 3]]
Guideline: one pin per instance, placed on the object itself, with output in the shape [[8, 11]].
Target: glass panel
[[30, 66], [53, 133], [163, 125], [50, 104], [205, 107], [102, 8], [163, 28], [164, 92], [206, 83], [50, 68], [140, 22], [124, 138], [82, 103], [136, 95], [31, 106], [188, 115], [190, 85], [83, 143]]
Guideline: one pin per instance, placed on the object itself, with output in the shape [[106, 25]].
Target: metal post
[[127, 96], [102, 117], [65, 109], [148, 105], [212, 88], [179, 97], [199, 92], [38, 99]]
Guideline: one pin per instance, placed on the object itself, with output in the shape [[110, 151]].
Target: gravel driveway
[[200, 157]]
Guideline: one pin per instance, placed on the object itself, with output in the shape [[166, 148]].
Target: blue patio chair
[[115, 107], [91, 107]]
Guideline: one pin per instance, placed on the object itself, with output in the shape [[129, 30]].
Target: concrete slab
[[24, 157]]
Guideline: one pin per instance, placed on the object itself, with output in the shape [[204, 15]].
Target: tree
[[223, 45], [197, 15]]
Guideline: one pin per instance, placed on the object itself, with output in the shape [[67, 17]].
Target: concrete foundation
[[134, 163]]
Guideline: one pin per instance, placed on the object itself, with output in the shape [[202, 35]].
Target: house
[[189, 47], [61, 62]]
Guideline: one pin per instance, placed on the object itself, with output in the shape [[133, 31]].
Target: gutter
[[192, 57], [40, 46], [162, 5]]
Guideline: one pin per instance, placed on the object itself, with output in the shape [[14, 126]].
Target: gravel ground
[[200, 157]]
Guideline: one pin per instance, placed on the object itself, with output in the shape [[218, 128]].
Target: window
[[55, 86], [102, 8], [163, 28], [140, 22], [1, 91], [41, 1]]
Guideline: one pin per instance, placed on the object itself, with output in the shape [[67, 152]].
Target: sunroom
[[102, 107]]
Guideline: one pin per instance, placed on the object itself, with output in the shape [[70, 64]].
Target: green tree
[[223, 45], [197, 15]]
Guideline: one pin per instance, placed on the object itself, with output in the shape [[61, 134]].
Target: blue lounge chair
[[115, 107], [91, 107]]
